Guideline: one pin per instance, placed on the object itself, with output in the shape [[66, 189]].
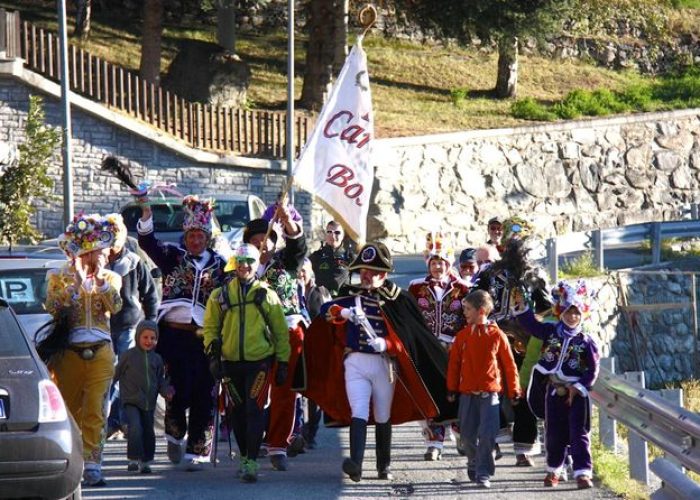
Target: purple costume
[[569, 358]]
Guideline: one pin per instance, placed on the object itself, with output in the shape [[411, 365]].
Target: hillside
[[414, 85]]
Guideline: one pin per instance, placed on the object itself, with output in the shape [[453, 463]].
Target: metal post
[[607, 425], [656, 243], [694, 298], [65, 108], [290, 96], [675, 396], [694, 211], [638, 451], [597, 236], [552, 259]]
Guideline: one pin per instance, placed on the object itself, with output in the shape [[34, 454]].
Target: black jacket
[[331, 267], [138, 292]]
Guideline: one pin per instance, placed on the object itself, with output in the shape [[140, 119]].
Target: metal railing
[[654, 419]]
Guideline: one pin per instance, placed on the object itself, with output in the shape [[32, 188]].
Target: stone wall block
[[584, 135], [569, 151], [680, 143], [531, 178], [667, 160], [681, 178], [589, 171]]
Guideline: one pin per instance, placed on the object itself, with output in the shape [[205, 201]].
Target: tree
[[327, 29], [151, 38], [82, 18], [27, 181], [502, 21]]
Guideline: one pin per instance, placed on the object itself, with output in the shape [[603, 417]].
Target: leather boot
[[358, 438], [383, 440]]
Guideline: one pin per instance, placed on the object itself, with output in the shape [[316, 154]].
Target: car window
[[24, 289], [12, 342], [166, 217], [231, 214]]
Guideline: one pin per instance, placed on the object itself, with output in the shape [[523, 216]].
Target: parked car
[[23, 286], [231, 213], [41, 451]]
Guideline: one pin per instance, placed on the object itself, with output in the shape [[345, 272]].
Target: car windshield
[[231, 214], [166, 217], [24, 289], [12, 342]]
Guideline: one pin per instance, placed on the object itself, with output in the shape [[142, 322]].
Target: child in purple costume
[[562, 379]]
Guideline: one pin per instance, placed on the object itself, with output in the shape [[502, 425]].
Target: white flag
[[334, 165]]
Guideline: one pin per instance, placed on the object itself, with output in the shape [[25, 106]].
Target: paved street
[[317, 474]]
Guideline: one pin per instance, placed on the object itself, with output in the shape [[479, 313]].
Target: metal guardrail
[[671, 428]]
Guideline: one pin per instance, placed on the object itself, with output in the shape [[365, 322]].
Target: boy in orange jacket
[[480, 359]]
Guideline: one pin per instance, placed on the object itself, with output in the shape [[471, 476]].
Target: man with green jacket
[[245, 331]]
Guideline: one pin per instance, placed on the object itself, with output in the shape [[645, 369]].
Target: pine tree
[[27, 181]]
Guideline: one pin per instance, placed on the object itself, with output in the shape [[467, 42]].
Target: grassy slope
[[411, 83]]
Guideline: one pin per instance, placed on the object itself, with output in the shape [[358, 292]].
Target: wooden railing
[[216, 128]]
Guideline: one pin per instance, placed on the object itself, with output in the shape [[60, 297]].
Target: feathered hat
[[516, 227], [438, 244], [576, 294], [198, 214], [85, 234]]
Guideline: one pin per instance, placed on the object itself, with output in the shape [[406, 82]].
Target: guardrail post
[[694, 211], [597, 237], [607, 425], [655, 242], [552, 260], [638, 451], [675, 396]]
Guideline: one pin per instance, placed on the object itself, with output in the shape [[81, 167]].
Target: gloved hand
[[215, 368], [214, 356], [281, 373], [378, 344], [451, 397]]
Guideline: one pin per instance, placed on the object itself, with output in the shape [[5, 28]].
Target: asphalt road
[[317, 475]]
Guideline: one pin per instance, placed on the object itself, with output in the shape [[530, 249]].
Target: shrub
[[529, 109], [582, 266], [458, 95]]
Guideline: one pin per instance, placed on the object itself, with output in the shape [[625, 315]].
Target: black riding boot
[[383, 440], [358, 438]]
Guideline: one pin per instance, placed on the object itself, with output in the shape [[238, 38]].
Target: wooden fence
[[202, 126]]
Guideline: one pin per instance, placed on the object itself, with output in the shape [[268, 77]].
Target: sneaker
[[296, 447], [249, 470], [133, 466], [584, 482], [433, 454], [563, 476], [497, 455], [175, 452], [522, 460], [483, 483], [145, 468], [279, 462], [551, 480], [93, 478]]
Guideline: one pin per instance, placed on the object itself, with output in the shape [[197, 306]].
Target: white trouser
[[367, 376]]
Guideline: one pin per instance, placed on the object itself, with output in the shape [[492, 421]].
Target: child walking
[[562, 379], [141, 377], [481, 366]]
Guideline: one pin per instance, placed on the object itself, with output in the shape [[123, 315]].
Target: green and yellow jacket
[[248, 332]]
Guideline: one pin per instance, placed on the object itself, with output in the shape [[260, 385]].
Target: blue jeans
[[478, 424], [121, 342], [141, 444]]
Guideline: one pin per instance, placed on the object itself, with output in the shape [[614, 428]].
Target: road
[[317, 475]]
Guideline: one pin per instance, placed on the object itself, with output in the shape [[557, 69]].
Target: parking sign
[[15, 290]]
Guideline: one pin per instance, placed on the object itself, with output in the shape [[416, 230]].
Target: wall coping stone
[[15, 68]]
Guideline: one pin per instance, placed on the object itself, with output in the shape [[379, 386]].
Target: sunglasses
[[336, 232], [245, 260], [496, 227]]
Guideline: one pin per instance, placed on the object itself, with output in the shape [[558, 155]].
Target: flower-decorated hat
[[576, 294], [198, 214], [516, 227], [86, 233], [438, 245], [244, 252]]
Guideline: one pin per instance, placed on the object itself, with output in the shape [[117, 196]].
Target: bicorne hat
[[374, 256]]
